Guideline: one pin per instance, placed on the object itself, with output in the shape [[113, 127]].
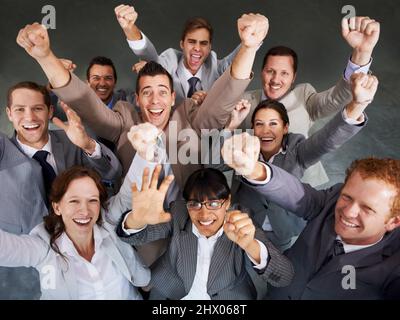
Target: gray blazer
[[299, 154], [170, 59], [304, 106], [377, 267], [22, 208], [34, 251], [67, 154], [174, 272]]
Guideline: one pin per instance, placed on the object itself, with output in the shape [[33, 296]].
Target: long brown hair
[[53, 223]]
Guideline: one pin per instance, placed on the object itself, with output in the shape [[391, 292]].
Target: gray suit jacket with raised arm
[[171, 59], [377, 268], [174, 272]]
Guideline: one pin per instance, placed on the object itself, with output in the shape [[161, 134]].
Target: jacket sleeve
[[21, 250], [329, 138], [288, 192], [80, 97], [325, 103], [279, 271], [216, 109]]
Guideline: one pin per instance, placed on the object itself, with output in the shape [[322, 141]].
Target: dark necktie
[[338, 248], [47, 170], [192, 89]]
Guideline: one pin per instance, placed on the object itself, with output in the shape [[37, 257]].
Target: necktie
[[338, 248], [192, 89], [47, 170]]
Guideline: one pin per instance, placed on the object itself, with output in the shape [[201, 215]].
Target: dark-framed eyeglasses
[[210, 205]]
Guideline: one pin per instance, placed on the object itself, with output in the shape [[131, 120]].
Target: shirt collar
[[212, 238], [353, 247], [67, 247], [273, 157], [187, 73], [30, 151]]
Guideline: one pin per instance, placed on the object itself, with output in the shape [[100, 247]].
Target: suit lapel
[[187, 261], [57, 148], [218, 260]]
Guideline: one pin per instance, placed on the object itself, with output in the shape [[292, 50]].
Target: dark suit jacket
[[174, 272], [377, 267]]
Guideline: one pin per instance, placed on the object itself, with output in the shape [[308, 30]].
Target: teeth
[[82, 221], [102, 90], [275, 87], [206, 223], [156, 111], [32, 126], [348, 224], [267, 139]]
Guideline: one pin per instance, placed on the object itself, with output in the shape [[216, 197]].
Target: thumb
[[59, 124], [165, 217]]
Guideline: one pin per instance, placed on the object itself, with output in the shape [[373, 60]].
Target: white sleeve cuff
[[351, 121], [135, 172], [137, 44], [268, 179], [355, 68], [129, 232], [97, 152], [263, 257]]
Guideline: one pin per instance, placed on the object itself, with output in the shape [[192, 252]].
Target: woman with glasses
[[209, 245]]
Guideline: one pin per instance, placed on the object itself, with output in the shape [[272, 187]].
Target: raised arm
[[343, 126], [227, 90], [127, 17], [362, 34], [21, 250], [276, 184]]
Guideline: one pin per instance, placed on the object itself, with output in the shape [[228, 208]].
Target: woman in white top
[[76, 251]]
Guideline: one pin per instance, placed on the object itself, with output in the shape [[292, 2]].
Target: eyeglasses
[[210, 205]]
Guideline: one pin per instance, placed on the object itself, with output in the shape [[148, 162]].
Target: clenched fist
[[34, 38], [241, 153], [126, 16], [363, 87], [144, 139], [253, 29]]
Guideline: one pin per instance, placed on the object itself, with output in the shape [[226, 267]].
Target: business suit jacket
[[22, 207], [304, 106], [298, 155], [171, 59], [67, 154], [377, 268], [174, 272], [114, 125]]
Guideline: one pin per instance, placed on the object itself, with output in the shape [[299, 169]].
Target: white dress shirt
[[353, 247], [98, 279], [30, 152]]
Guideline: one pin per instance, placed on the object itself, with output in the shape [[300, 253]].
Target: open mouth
[[206, 223], [265, 141], [31, 127], [82, 222], [156, 113], [348, 224], [275, 87], [195, 59]]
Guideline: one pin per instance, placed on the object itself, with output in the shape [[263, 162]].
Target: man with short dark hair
[[194, 69], [102, 78]]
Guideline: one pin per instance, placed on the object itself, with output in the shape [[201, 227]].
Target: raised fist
[[363, 87], [361, 33], [144, 139], [238, 114], [239, 228], [241, 153], [253, 29], [126, 16], [34, 38]]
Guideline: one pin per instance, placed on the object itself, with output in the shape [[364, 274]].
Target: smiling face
[[277, 76], [207, 221], [79, 208], [30, 117], [155, 99], [270, 129], [196, 48], [362, 213], [102, 81]]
